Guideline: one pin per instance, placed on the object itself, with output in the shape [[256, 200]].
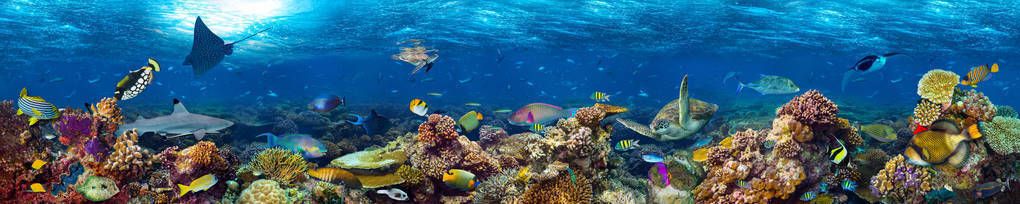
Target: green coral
[[1002, 134]]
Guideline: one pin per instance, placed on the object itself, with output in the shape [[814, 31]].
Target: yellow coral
[[127, 161], [107, 109], [410, 174], [277, 164], [937, 85], [201, 154], [927, 112], [264, 191], [560, 190]]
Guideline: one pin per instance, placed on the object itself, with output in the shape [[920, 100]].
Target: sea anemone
[[277, 164]]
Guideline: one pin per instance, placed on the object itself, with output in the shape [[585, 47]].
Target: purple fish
[[95, 148], [663, 172]]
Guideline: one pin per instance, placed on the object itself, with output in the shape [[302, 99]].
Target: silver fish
[[769, 84], [179, 123]]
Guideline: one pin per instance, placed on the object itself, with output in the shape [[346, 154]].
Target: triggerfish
[[325, 103], [542, 113], [136, 81], [36, 108], [943, 143], [460, 179], [199, 184], [334, 175], [305, 145]]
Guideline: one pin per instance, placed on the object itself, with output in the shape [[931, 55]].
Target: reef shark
[[179, 123]]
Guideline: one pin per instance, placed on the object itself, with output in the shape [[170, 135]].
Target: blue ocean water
[[506, 54]]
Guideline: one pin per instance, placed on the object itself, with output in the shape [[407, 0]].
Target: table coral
[[901, 182], [277, 164], [1002, 134], [927, 112], [811, 108], [937, 85]]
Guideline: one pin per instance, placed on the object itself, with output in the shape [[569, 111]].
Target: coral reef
[[1002, 134], [937, 86], [108, 110], [901, 182], [437, 129], [974, 107], [264, 191], [811, 108], [374, 161], [590, 117], [927, 112], [73, 127], [1006, 111], [276, 164], [559, 190], [489, 135], [438, 148], [504, 187], [16, 148], [127, 162]]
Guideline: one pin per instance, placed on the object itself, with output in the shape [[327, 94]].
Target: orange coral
[[590, 117], [202, 154], [107, 109], [438, 128], [128, 160], [560, 190]]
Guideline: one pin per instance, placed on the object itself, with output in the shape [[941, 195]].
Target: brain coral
[[811, 108], [937, 85], [263, 191], [1002, 134]]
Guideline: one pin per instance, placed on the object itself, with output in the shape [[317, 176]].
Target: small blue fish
[[849, 185], [651, 157], [573, 177], [823, 187], [810, 195]]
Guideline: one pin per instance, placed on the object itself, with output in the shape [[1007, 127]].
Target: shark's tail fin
[[849, 75], [270, 139]]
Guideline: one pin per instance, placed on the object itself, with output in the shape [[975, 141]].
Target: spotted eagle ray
[[208, 50], [179, 123]]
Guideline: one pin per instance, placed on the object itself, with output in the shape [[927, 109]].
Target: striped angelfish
[[36, 108], [979, 74]]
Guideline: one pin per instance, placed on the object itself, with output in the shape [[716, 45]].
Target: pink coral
[[439, 148], [811, 108], [975, 106]]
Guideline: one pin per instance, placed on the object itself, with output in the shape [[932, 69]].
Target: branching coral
[[500, 188], [811, 108], [1002, 134], [277, 164], [590, 117], [927, 112], [975, 106], [127, 162], [560, 190], [200, 156], [901, 182], [437, 129], [438, 148], [937, 85]]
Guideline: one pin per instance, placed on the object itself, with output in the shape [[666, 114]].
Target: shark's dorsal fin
[[140, 117], [179, 108], [684, 108]]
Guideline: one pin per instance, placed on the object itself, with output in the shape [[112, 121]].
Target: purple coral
[[74, 126], [96, 148]]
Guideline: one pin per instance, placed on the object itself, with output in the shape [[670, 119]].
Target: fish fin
[[184, 189], [740, 87], [20, 112], [891, 54], [24, 92], [270, 139], [139, 118], [846, 79], [37, 188], [32, 121], [974, 132], [637, 127], [995, 68], [179, 107], [199, 134]]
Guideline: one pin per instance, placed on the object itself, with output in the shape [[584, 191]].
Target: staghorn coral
[[1005, 111], [974, 106], [74, 127], [559, 190], [811, 108], [937, 85], [437, 129], [927, 112], [277, 164], [264, 191], [1002, 134], [901, 182], [127, 162]]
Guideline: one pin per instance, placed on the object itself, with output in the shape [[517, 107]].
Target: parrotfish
[[303, 144], [542, 113]]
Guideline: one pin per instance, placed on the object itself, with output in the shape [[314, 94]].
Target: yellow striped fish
[[624, 145], [538, 128], [979, 74], [419, 107], [599, 96], [838, 155], [36, 108]]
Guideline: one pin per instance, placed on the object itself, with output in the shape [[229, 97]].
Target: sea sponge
[[264, 191], [901, 182], [560, 190], [937, 85], [927, 112], [438, 128], [1002, 134], [277, 164], [811, 108]]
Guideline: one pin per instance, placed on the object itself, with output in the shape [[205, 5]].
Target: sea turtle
[[679, 119]]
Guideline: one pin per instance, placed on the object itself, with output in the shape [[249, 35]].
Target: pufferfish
[[943, 143], [136, 81]]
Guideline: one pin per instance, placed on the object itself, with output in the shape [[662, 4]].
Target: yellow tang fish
[[37, 188], [979, 74], [199, 184], [419, 107]]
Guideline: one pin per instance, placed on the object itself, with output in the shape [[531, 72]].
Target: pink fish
[[542, 113]]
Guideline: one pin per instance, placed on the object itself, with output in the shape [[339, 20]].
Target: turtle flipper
[[638, 127], [684, 107]]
